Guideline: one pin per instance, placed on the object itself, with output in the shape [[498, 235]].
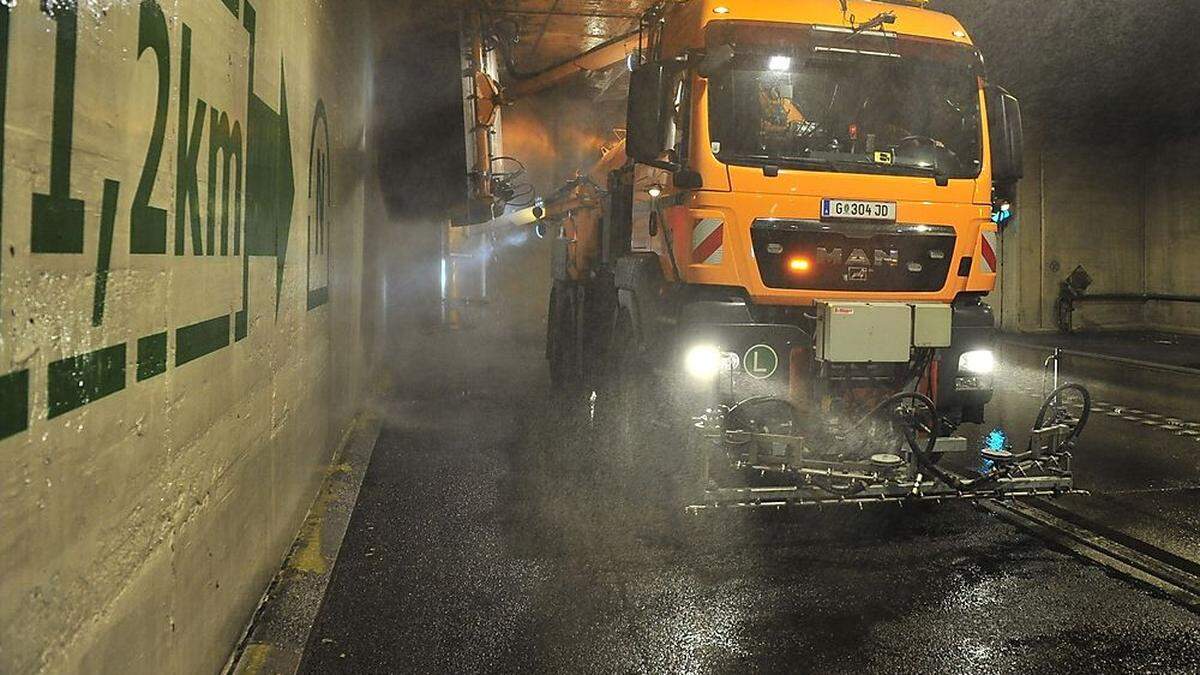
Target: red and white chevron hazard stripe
[[989, 245], [708, 242]]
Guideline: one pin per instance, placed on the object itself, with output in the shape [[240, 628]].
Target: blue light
[[1002, 214], [996, 439]]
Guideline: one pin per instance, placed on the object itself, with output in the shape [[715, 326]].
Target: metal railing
[[1073, 291]]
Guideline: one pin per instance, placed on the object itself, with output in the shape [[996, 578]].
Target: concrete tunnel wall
[[1072, 211], [182, 349], [1173, 231], [1128, 213], [1111, 129]]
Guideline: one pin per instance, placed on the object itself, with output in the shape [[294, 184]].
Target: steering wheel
[[919, 141]]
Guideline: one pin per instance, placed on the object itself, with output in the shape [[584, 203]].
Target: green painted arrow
[[270, 181], [287, 188]]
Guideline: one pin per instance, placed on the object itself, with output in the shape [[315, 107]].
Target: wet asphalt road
[[485, 540], [1140, 459]]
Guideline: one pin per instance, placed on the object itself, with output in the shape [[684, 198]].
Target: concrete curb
[[275, 640]]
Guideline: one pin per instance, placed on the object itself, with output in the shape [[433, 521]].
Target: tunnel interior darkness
[[1096, 69]]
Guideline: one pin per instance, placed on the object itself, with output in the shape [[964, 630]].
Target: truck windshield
[[854, 104]]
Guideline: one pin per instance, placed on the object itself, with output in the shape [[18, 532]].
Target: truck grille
[[852, 256]]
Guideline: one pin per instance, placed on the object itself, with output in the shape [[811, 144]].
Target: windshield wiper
[[877, 22], [785, 161], [799, 159], [939, 174], [851, 162], [936, 171], [834, 164]]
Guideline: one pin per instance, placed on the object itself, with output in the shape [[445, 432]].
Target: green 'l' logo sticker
[[761, 362]]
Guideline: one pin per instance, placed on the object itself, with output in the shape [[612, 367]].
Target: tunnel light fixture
[[655, 191], [978, 362], [780, 63]]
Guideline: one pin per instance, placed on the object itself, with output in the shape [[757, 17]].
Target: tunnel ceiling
[[1105, 68], [550, 32], [1108, 66]]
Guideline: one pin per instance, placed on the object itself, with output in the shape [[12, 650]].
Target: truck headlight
[[978, 362], [703, 362]]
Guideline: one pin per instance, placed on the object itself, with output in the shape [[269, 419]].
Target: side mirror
[[1004, 127], [645, 130]]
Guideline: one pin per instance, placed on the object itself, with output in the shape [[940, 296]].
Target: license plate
[[858, 210]]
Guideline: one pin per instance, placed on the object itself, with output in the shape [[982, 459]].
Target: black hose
[[919, 398], [957, 482], [755, 400], [1083, 415], [924, 455], [894, 399], [884, 404], [734, 410]]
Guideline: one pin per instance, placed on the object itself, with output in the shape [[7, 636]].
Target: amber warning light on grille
[[800, 265]]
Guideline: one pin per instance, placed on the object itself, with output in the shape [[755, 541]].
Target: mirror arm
[[687, 179], [714, 60]]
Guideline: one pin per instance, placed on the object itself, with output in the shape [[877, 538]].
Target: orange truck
[[786, 259]]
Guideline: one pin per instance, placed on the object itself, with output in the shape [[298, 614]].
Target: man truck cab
[[832, 175]]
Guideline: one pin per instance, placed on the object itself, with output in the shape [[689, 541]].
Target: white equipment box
[[932, 325], [879, 332]]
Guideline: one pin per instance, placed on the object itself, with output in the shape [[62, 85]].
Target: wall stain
[[255, 658], [310, 557]]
